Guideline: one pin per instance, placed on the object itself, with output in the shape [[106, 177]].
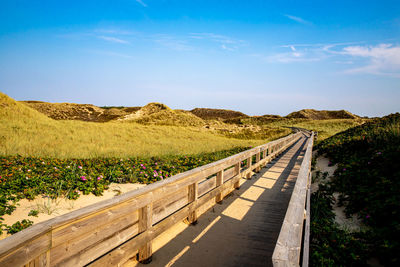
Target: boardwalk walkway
[[243, 230]]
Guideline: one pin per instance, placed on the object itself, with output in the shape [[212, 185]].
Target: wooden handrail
[[112, 231], [288, 246]]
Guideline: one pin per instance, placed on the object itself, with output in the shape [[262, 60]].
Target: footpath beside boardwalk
[[242, 231]]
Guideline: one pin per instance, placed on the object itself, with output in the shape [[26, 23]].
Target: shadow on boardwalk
[[243, 230]]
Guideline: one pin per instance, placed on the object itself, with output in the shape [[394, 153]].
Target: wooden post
[[264, 156], [193, 196], [145, 222], [237, 172], [219, 181], [248, 176], [257, 160]]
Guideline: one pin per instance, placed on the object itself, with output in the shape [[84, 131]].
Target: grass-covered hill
[[83, 112], [368, 180], [27, 132], [214, 114], [321, 114]]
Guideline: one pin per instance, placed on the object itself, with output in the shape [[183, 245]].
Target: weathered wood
[[228, 174], [257, 160], [169, 204], [237, 171], [207, 185], [83, 226], [192, 197], [145, 222], [25, 254], [248, 166], [220, 179], [96, 236], [288, 246], [96, 250], [306, 243]]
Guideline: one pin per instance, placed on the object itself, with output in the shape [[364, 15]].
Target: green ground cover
[[368, 180], [28, 177]]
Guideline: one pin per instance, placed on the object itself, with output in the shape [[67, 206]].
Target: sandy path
[[243, 230]]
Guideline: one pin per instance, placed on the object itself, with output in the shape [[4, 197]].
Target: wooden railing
[[292, 239], [113, 231]]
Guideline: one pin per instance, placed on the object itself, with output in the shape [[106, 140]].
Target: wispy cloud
[[294, 56], [382, 59], [113, 39], [226, 43], [298, 19], [110, 53], [172, 43], [141, 3], [114, 31]]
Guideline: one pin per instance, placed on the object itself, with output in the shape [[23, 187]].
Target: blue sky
[[259, 57]]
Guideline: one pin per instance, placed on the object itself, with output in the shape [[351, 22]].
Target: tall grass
[[26, 132]]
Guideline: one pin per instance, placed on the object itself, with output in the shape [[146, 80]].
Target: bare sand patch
[[351, 224]]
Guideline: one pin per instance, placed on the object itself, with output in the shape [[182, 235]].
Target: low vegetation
[[28, 177], [368, 180]]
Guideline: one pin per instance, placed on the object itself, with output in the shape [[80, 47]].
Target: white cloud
[[113, 39], [383, 59], [298, 19], [141, 3]]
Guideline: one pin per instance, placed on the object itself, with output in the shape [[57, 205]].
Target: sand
[[52, 208], [352, 224]]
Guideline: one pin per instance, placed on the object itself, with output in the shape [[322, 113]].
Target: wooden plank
[[169, 204], [95, 237], [207, 185], [228, 174], [192, 197], [220, 179], [145, 222], [25, 254], [97, 250], [85, 225]]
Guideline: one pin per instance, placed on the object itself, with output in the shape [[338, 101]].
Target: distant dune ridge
[[158, 113], [83, 112], [213, 114], [321, 114]]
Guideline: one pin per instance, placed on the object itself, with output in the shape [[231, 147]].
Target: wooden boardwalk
[[242, 231]]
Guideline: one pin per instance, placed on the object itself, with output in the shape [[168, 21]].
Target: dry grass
[[27, 132]]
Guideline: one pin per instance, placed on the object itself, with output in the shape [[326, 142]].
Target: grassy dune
[[26, 132]]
